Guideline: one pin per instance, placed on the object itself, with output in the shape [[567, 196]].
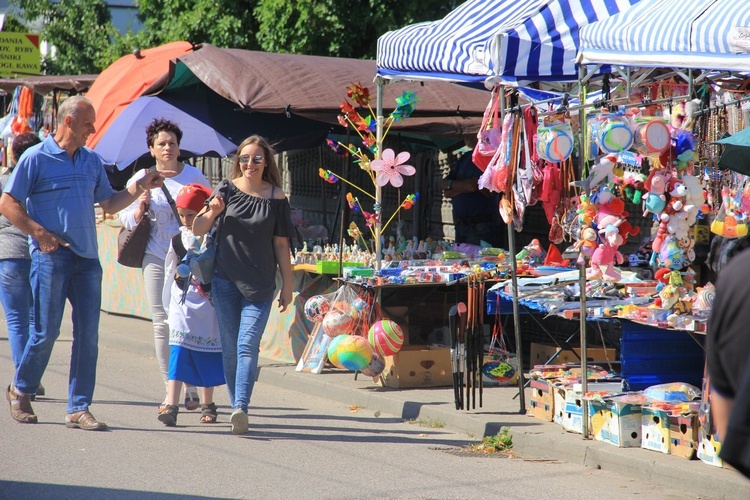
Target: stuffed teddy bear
[[586, 245]]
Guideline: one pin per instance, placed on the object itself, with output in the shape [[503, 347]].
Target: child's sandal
[[168, 416], [208, 413]]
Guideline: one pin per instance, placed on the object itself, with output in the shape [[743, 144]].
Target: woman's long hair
[[271, 172]]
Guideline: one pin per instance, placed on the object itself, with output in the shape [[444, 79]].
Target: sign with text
[[19, 54]]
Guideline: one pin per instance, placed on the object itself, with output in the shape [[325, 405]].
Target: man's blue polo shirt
[[59, 192]]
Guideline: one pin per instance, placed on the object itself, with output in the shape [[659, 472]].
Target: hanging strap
[[172, 204]]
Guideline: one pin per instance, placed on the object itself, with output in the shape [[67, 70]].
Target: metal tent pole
[[514, 282], [378, 189], [582, 269]]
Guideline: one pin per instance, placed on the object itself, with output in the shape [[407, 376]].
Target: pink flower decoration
[[390, 168]]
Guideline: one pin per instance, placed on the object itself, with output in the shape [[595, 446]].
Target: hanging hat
[[192, 197]]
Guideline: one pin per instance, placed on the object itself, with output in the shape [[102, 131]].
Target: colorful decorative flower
[[370, 219], [409, 201], [328, 176], [353, 202], [360, 94], [354, 231], [349, 111], [390, 168], [406, 104], [336, 146]]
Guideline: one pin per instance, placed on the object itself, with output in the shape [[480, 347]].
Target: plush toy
[[656, 199], [606, 254], [632, 186], [693, 196], [599, 173], [661, 234], [586, 245]]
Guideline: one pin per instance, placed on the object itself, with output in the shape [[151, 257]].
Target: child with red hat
[[194, 340]]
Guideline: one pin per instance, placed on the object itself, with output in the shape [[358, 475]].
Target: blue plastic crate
[[651, 356]]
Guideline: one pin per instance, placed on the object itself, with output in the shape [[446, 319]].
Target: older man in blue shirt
[[51, 197]]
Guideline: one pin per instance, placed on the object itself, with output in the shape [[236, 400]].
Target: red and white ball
[[386, 337], [337, 323]]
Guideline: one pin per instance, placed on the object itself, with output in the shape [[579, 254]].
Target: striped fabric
[[513, 39], [699, 34]]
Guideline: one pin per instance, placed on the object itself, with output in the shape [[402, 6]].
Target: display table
[[648, 355]]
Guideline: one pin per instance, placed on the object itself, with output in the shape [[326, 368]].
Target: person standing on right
[[253, 242], [476, 213]]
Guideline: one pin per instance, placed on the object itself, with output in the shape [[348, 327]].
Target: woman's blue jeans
[[241, 324], [55, 277], [15, 294]]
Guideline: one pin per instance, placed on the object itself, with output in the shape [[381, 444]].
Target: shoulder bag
[[204, 264], [131, 244]]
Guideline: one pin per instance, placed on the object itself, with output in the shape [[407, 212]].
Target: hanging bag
[[489, 135], [131, 244], [204, 264]]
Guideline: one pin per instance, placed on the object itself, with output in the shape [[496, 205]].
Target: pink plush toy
[[656, 199], [604, 257]]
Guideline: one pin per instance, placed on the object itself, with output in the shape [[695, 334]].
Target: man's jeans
[[15, 294], [241, 323], [55, 277]]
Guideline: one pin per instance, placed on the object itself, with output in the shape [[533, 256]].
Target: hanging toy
[[603, 171], [656, 199], [604, 257]]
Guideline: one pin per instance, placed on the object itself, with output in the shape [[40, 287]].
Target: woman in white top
[[163, 138]]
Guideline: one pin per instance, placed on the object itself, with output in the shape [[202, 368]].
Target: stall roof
[[313, 88], [699, 34], [45, 84], [533, 40]]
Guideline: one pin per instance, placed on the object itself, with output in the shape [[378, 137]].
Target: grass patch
[[427, 422], [500, 442]]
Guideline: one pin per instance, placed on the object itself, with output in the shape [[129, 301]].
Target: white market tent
[[695, 34], [494, 41], [531, 40]]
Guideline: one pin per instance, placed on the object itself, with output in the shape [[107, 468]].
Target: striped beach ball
[[354, 352], [386, 337], [333, 355]]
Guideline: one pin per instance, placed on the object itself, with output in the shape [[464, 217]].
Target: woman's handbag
[[489, 136], [203, 266], [131, 244]]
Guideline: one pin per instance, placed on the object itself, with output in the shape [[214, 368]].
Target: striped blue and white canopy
[[513, 39], [697, 34]]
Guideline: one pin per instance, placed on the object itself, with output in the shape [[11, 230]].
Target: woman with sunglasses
[[253, 242], [163, 139]]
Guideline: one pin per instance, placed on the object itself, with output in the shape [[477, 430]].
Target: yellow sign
[[19, 54]]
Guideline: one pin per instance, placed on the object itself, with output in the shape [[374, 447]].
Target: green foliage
[[85, 40], [502, 441], [338, 28], [224, 23], [80, 31]]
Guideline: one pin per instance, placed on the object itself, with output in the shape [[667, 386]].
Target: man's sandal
[[168, 416], [209, 413], [84, 420], [20, 406]]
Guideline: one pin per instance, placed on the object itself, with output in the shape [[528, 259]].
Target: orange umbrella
[[126, 79]]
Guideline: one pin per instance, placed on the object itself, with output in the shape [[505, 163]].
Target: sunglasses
[[256, 159]]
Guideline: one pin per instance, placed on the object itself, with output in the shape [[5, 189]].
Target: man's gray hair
[[70, 106]]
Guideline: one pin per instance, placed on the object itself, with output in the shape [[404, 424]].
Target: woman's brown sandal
[[168, 416], [208, 413]]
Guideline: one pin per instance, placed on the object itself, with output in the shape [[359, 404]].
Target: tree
[[338, 28], [224, 23], [79, 32]]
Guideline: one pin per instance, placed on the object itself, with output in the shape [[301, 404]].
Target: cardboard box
[[560, 392], [616, 422], [541, 353], [655, 431], [708, 449], [572, 420], [418, 366], [542, 403], [683, 436]]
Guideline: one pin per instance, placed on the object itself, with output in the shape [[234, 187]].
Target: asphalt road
[[298, 446]]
